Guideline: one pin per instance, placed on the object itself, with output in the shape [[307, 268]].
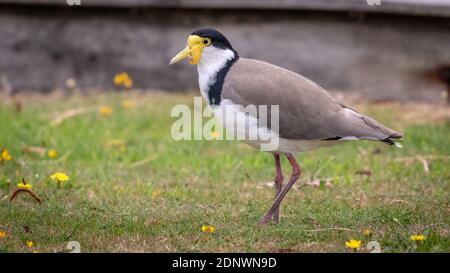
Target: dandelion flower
[[126, 104], [29, 243], [128, 83], [24, 185], [60, 177], [215, 135], [353, 244], [207, 229], [119, 78], [5, 156], [105, 111], [417, 237], [123, 79], [2, 234], [52, 153], [366, 232]]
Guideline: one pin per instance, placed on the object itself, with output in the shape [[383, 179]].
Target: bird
[[308, 116]]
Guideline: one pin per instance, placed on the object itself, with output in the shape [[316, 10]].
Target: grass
[[133, 189]]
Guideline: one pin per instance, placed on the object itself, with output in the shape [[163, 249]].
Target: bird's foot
[[266, 218], [275, 219]]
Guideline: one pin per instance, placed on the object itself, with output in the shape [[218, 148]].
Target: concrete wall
[[422, 7], [384, 56]]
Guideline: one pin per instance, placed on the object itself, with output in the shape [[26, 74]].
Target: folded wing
[[307, 111]]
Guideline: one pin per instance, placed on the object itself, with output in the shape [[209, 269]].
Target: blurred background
[[397, 50], [86, 93]]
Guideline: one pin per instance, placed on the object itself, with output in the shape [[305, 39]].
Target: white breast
[[213, 59]]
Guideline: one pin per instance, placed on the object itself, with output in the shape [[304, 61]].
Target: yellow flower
[[366, 232], [128, 83], [60, 177], [71, 83], [118, 144], [5, 156], [2, 234], [52, 153], [105, 111], [24, 185], [126, 104], [123, 79], [29, 243], [417, 237], [215, 135], [119, 78], [156, 193], [353, 244], [207, 229]]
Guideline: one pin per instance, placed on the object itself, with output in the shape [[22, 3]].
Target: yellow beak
[[193, 50]]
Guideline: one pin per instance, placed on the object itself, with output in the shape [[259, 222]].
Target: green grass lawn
[[132, 188]]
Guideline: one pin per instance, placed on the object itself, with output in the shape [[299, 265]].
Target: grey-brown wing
[[306, 111]]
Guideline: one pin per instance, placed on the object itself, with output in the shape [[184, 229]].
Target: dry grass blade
[[429, 157], [141, 162], [424, 163], [64, 157], [72, 113], [316, 173], [432, 226], [318, 182], [400, 201], [327, 229], [423, 159], [33, 149], [16, 192]]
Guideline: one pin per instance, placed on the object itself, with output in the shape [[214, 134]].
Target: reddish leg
[[278, 184], [295, 175]]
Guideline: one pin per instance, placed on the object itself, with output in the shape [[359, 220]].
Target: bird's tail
[[390, 140]]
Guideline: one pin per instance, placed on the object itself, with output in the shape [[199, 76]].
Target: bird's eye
[[206, 41]]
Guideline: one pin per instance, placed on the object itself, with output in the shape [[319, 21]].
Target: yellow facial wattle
[[193, 50]]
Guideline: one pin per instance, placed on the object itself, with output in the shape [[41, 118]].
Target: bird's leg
[[278, 184], [295, 175]]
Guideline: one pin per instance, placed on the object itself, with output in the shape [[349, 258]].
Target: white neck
[[213, 59]]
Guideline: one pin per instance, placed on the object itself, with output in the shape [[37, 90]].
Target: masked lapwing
[[308, 117]]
